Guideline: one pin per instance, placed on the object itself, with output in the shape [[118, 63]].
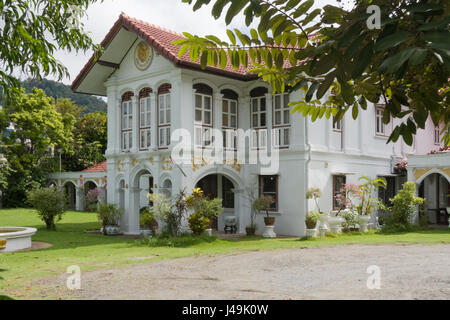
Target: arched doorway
[[219, 186], [91, 196], [142, 185], [435, 188], [71, 195]]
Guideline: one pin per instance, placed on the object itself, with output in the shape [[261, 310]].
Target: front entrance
[[436, 190], [219, 186]]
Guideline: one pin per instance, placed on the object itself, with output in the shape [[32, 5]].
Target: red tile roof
[[161, 40], [99, 167]]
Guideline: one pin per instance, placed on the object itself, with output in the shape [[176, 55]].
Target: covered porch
[[431, 173], [77, 185]]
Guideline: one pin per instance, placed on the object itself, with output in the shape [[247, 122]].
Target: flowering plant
[[92, 195], [346, 196]]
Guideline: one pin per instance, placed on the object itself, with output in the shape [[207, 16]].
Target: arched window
[[127, 121], [145, 119], [164, 115], [167, 188], [203, 95], [229, 118], [258, 117]]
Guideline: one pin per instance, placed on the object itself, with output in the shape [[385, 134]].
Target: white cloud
[[170, 14]]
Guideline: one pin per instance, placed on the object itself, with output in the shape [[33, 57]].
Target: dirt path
[[407, 272]]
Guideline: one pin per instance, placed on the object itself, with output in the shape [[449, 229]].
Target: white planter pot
[[112, 230], [364, 223], [146, 233], [208, 232], [269, 232], [323, 220], [335, 224], [323, 231], [311, 232]]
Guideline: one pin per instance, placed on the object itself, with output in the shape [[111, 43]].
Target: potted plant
[[251, 229], [368, 203], [263, 204], [147, 222], [311, 223], [315, 194], [250, 193], [344, 201], [109, 215]]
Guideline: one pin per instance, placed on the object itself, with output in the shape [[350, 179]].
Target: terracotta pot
[[269, 221], [250, 231]]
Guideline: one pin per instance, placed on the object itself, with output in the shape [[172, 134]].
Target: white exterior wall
[[358, 152]]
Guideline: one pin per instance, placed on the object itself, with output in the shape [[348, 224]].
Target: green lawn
[[71, 246]]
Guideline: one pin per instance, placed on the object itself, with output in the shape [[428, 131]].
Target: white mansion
[[151, 93]]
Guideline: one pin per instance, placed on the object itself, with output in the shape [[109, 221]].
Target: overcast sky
[[170, 14]]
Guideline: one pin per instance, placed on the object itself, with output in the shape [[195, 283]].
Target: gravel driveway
[[407, 272]]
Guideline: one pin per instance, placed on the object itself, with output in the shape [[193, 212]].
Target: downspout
[[308, 149]]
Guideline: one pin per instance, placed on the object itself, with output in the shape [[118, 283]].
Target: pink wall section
[[424, 139]]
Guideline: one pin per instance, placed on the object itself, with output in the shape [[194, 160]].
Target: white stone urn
[[209, 232], [146, 233], [311, 232], [323, 224], [269, 232], [335, 223], [112, 230], [364, 223]]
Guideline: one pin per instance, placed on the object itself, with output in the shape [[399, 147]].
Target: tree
[[30, 33], [50, 204], [65, 106], [342, 56], [59, 90], [38, 131], [90, 142]]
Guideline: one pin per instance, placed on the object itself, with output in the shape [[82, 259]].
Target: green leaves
[[406, 61], [235, 7], [391, 41], [363, 61], [395, 62], [31, 32]]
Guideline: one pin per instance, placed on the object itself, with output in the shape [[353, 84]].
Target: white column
[[135, 126], [244, 112], [217, 111], [112, 195], [79, 202]]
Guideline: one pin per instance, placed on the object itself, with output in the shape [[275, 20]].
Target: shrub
[[350, 219], [171, 215], [404, 206], [204, 210], [50, 204], [198, 223], [108, 214], [147, 218], [311, 219], [92, 195]]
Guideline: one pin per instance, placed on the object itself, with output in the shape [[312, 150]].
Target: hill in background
[[59, 90]]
